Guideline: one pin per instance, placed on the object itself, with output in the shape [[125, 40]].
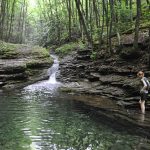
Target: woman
[[143, 91]]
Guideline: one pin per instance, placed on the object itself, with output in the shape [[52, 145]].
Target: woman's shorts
[[144, 96]]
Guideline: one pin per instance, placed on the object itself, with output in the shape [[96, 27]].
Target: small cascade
[[50, 84], [53, 70]]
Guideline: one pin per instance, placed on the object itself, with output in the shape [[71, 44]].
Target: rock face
[[112, 87], [112, 77], [29, 65]]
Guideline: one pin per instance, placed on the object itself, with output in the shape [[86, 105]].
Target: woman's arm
[[144, 85]]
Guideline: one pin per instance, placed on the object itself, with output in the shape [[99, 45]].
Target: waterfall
[[50, 84], [53, 70]]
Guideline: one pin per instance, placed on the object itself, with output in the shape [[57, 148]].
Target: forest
[[55, 22], [68, 74]]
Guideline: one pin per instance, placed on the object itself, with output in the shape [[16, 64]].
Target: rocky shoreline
[[113, 77], [104, 82]]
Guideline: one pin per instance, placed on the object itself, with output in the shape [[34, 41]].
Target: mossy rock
[[67, 48], [39, 52], [8, 51], [130, 53], [13, 51]]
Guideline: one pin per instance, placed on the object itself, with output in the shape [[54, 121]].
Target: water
[[38, 117]]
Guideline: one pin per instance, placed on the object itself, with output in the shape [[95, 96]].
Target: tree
[[82, 20], [137, 23]]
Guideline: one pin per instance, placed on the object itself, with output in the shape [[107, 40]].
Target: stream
[[39, 117]]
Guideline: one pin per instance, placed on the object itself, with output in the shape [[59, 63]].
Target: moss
[[67, 48], [8, 51], [11, 51], [39, 52]]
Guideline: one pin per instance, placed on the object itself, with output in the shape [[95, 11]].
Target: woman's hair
[[140, 73]]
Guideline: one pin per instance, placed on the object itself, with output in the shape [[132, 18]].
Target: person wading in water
[[143, 91]]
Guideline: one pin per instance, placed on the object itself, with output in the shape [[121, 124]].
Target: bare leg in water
[[142, 105]]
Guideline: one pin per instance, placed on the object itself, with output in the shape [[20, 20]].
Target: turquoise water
[[46, 120]]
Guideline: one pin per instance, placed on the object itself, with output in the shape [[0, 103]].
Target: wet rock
[[93, 78], [2, 84], [86, 57], [20, 70], [19, 76]]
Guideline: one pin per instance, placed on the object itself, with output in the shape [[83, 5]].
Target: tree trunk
[[137, 24], [69, 16], [2, 17], [111, 24], [81, 17], [11, 20]]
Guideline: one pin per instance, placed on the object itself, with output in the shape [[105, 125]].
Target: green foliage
[[93, 55], [67, 48], [49, 23]]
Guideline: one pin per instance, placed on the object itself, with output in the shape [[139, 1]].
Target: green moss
[[67, 48], [11, 51], [8, 51], [39, 52]]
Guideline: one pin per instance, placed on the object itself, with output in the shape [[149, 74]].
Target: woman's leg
[[142, 104]]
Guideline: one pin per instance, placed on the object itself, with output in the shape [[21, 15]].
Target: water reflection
[[44, 122]]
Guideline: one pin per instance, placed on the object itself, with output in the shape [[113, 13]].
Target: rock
[[19, 70], [93, 78], [84, 52], [13, 68], [115, 77], [105, 70], [130, 53], [86, 57], [2, 84], [19, 76]]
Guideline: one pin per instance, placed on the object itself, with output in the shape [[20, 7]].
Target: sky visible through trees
[[32, 3]]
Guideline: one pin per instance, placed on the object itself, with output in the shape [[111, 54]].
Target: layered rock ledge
[[112, 77], [21, 65], [109, 87]]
